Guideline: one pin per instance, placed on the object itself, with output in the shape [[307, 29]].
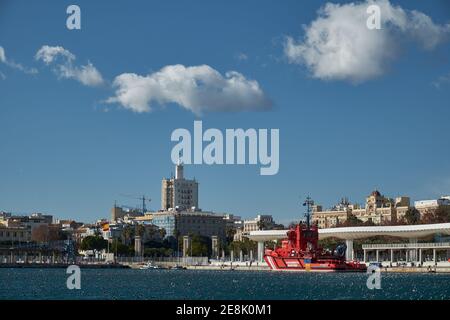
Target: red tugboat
[[300, 251]]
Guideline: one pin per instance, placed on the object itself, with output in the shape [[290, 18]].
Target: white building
[[178, 192], [431, 203], [426, 206], [261, 222]]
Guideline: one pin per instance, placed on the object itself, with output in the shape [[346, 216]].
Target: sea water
[[194, 284]]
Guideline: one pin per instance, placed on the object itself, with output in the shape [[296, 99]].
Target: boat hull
[[299, 264]]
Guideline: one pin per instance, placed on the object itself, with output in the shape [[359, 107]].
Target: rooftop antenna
[[308, 204], [179, 162]]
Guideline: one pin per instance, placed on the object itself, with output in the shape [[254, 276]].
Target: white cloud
[[10, 63], [196, 88], [337, 45], [2, 55], [440, 81], [64, 65], [49, 54], [87, 74], [241, 56]]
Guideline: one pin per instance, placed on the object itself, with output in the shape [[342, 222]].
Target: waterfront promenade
[[442, 267], [411, 256]]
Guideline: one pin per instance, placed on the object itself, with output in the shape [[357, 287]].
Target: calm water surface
[[192, 284]]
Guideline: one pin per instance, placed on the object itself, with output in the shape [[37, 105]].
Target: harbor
[[173, 253]]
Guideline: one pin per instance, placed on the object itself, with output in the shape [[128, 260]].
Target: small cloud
[[241, 56], [87, 74], [197, 89], [48, 54], [64, 61], [442, 80], [20, 67], [2, 55], [337, 45], [2, 76], [14, 65], [102, 108]]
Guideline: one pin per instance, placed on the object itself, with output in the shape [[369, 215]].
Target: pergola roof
[[352, 233]]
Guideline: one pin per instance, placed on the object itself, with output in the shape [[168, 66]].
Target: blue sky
[[67, 152]]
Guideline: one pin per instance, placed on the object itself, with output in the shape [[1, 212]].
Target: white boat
[[149, 265]]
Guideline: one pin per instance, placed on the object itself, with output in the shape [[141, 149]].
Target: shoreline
[[440, 270], [60, 266], [136, 266]]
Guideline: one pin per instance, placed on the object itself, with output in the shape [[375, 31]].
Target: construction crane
[[144, 200]]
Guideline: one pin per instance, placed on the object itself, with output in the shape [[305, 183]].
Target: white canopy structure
[[353, 233]]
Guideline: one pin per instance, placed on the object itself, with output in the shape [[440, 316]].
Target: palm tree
[[230, 234], [162, 232], [140, 230], [127, 234], [261, 224]]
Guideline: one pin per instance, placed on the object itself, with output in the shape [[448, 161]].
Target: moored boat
[[300, 251], [149, 265]]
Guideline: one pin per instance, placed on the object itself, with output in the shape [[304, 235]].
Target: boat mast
[[308, 203]]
